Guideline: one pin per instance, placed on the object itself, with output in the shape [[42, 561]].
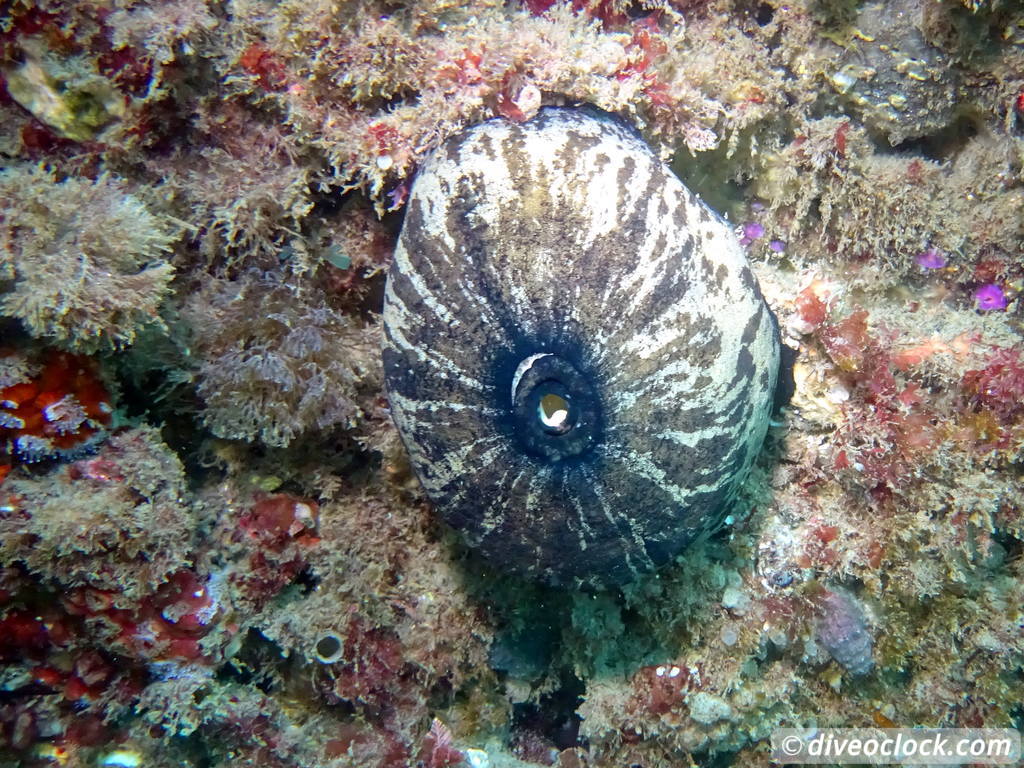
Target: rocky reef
[[213, 549]]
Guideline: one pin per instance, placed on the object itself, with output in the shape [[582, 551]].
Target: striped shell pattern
[[577, 355]]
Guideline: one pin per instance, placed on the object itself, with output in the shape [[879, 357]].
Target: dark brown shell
[[561, 257]]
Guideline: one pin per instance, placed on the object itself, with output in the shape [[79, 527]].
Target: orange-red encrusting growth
[[57, 413]]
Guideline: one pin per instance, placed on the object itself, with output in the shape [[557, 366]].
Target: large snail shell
[[577, 356]]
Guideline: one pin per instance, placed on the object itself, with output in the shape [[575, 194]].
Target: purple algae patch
[[931, 259], [990, 297], [753, 230]]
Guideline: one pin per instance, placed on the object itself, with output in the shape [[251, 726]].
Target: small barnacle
[[329, 648]]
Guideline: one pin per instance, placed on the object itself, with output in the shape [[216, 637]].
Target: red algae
[[437, 750], [262, 62], [59, 412]]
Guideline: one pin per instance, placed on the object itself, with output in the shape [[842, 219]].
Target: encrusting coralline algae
[[200, 486]]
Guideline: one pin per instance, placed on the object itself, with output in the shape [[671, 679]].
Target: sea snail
[[577, 356]]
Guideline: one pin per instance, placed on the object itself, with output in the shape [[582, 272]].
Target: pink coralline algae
[[842, 630], [990, 297]]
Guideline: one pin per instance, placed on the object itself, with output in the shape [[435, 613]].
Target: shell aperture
[[577, 355]]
